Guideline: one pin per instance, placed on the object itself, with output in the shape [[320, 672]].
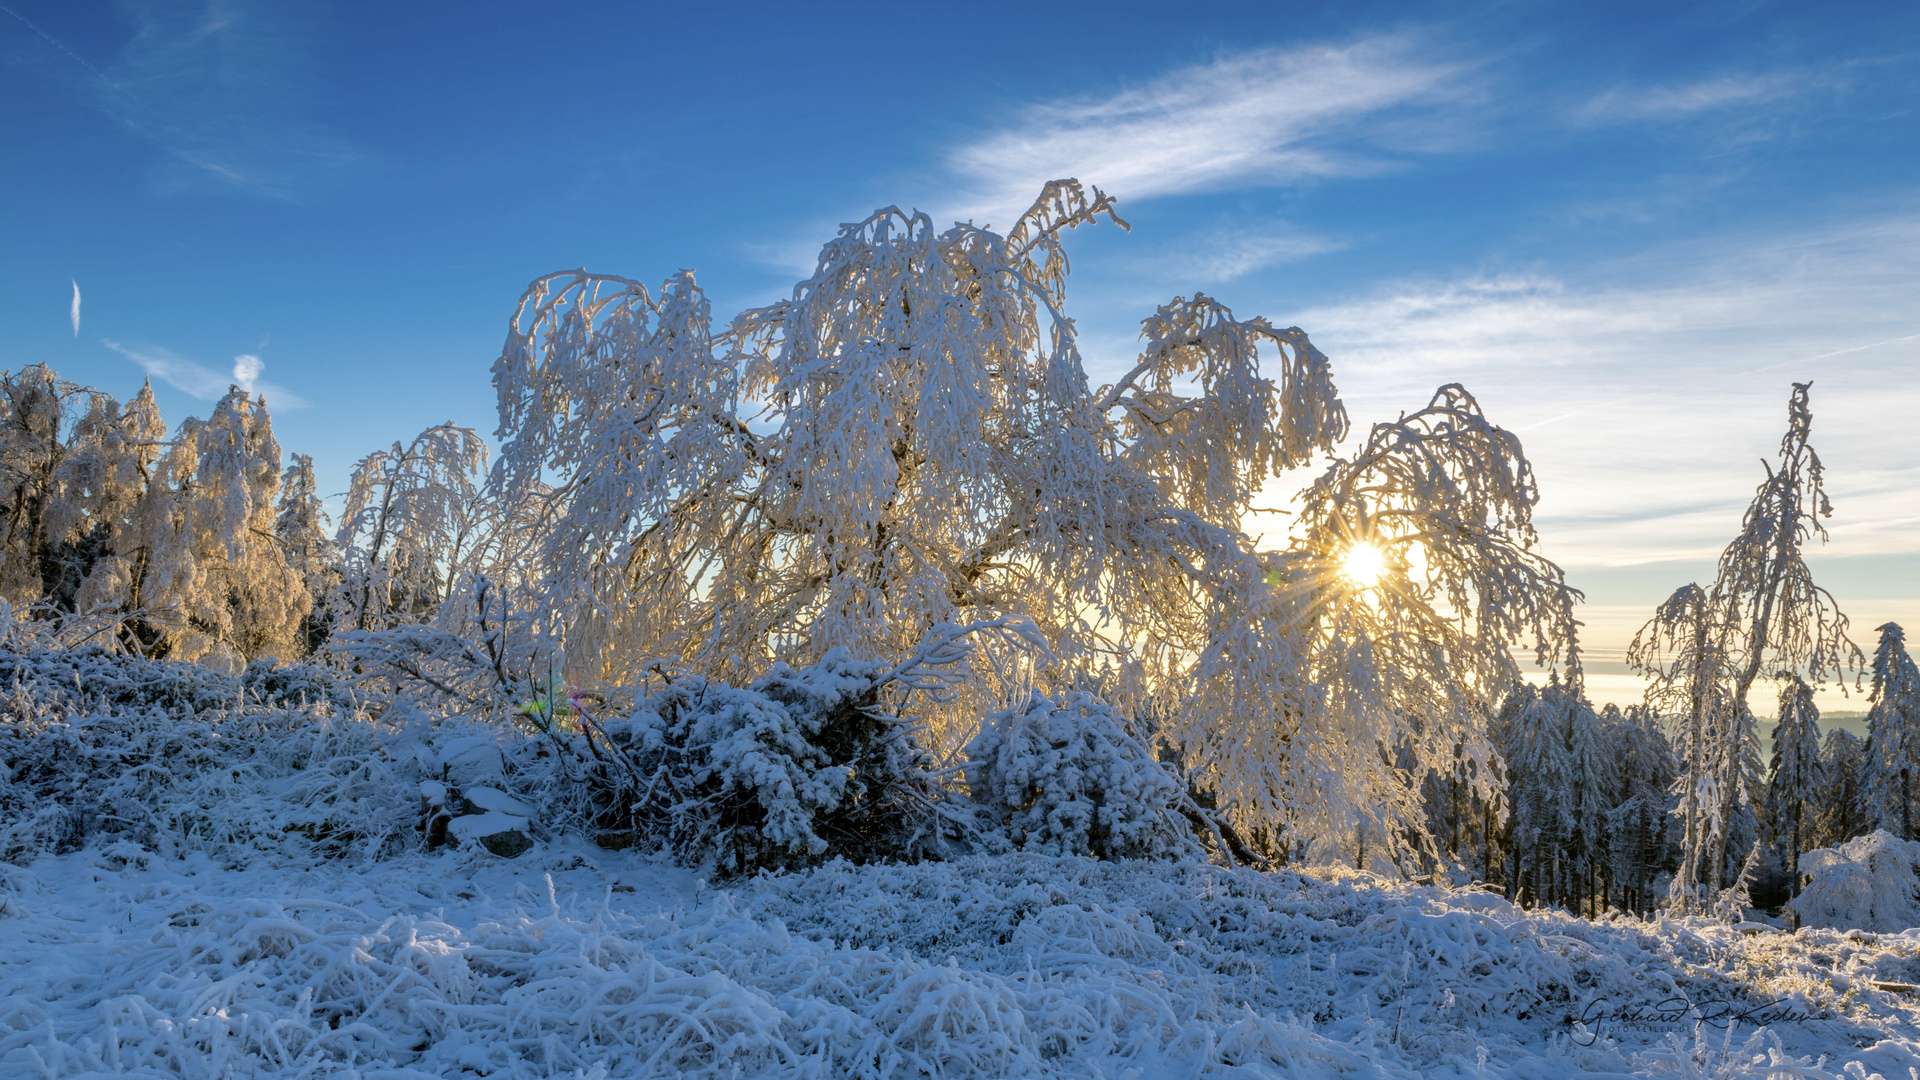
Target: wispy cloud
[[1228, 254], [196, 380], [1271, 116], [794, 252], [1647, 392], [74, 311], [1624, 104], [219, 88]]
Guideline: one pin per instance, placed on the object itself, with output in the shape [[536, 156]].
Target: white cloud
[[197, 380], [74, 311], [1271, 116], [246, 371]]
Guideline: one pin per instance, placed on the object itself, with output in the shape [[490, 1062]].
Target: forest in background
[[875, 571]]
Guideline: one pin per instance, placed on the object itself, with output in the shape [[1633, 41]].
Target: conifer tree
[[1639, 826], [1540, 785], [1794, 779], [1892, 779], [1843, 805], [1595, 772], [1562, 780]]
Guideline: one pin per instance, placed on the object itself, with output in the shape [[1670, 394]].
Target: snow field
[[114, 962], [201, 889]]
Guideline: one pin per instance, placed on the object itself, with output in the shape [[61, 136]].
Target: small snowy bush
[[92, 678], [800, 765], [1061, 776], [1867, 883], [103, 749]]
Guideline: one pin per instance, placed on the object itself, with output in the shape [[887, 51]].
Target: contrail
[[76, 308], [77, 58]]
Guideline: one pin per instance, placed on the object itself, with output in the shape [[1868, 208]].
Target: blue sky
[[1627, 228]]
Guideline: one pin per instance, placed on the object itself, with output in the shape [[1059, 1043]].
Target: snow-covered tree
[[911, 440], [1465, 815], [215, 583], [63, 483], [1412, 569], [1843, 805], [1794, 781], [1539, 819], [409, 528], [31, 445], [1563, 775], [1639, 837], [117, 464], [1705, 648], [1892, 777], [300, 526], [1596, 776], [99, 480]]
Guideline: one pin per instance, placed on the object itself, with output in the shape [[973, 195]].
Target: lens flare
[[1363, 565]]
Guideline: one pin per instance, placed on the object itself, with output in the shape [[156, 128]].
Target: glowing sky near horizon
[[1626, 228]]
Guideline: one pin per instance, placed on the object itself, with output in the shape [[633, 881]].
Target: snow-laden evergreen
[[1795, 781], [1892, 777], [1641, 845], [1843, 810]]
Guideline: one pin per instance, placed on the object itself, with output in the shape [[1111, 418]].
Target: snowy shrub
[[93, 678], [1864, 884], [270, 781], [102, 749], [1061, 776], [800, 765]]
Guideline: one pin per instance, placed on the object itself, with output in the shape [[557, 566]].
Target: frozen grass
[[570, 961]]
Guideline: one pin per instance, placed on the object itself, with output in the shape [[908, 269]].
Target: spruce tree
[[1640, 825], [1794, 780], [1843, 809], [1893, 736]]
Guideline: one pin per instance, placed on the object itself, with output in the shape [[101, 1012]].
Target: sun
[[1364, 564]]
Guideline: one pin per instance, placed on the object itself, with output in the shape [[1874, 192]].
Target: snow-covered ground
[[215, 876], [571, 961]]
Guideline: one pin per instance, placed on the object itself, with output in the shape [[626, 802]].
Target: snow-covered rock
[[488, 799], [472, 760], [502, 834]]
